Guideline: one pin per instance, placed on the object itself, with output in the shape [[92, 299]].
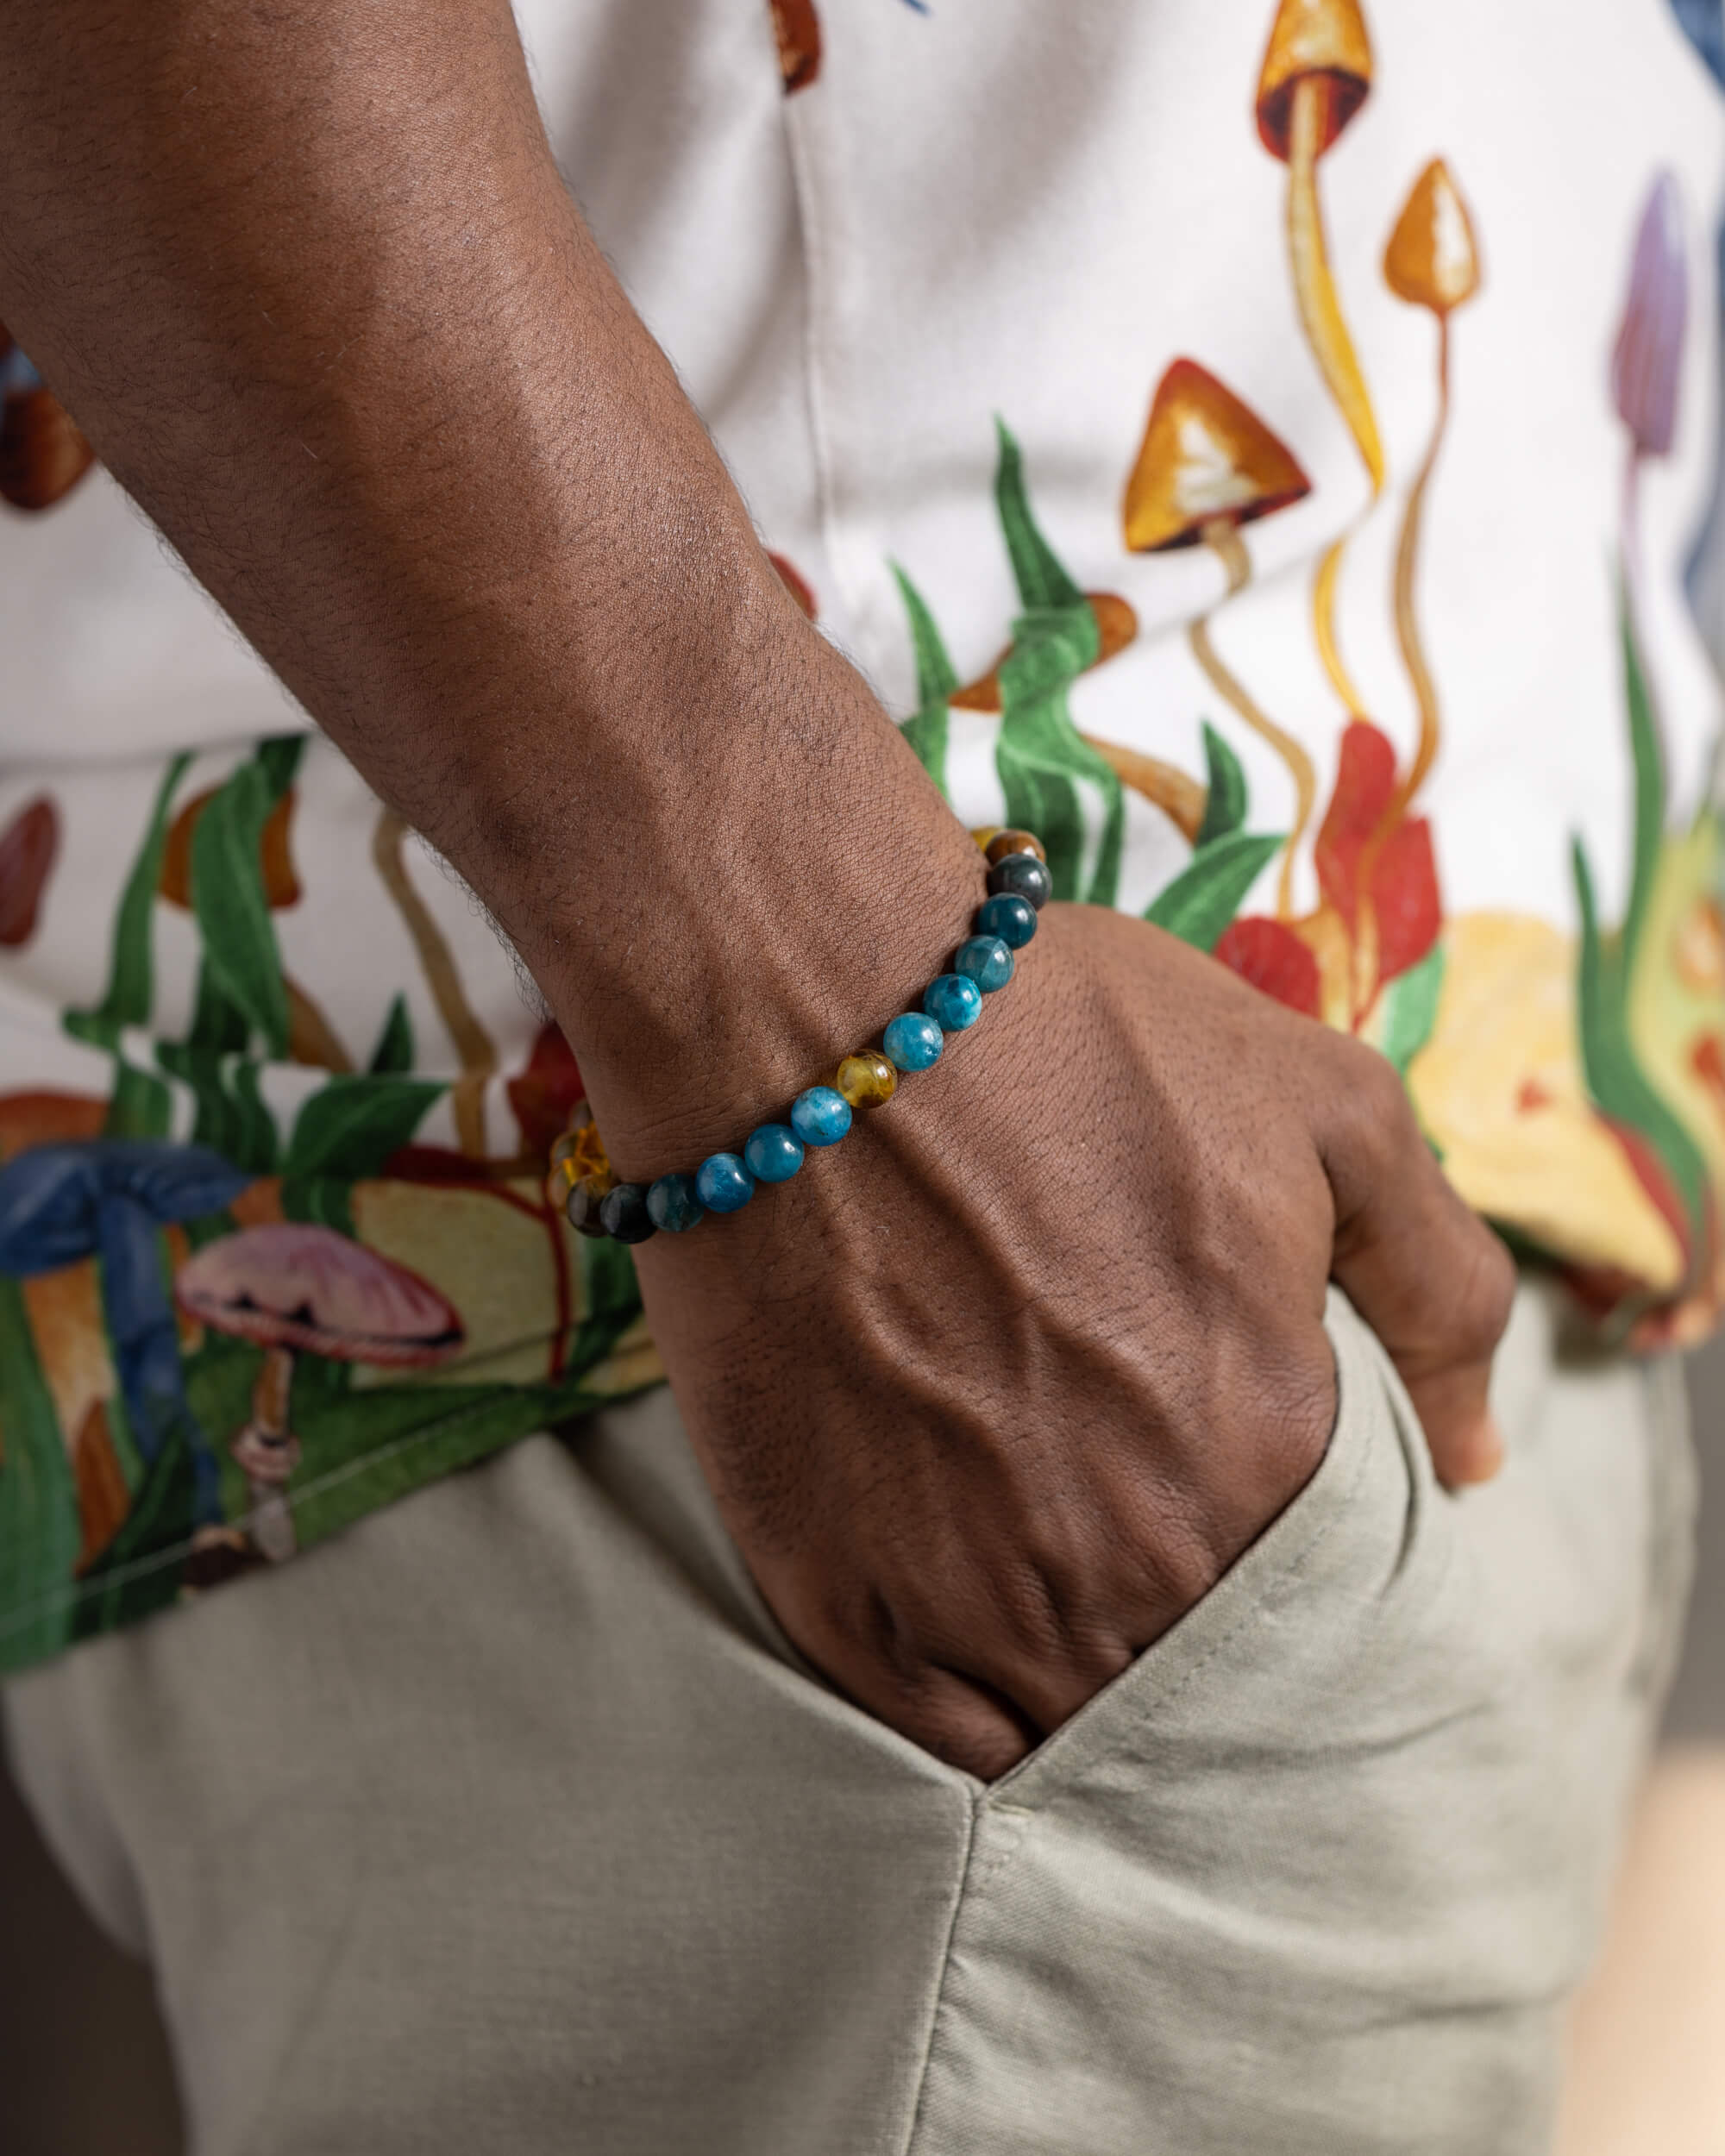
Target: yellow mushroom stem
[[1321, 315], [474, 1045], [1224, 540], [1180, 797], [311, 1037], [1420, 678]]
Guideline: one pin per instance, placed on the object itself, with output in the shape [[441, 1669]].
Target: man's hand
[[994, 1392]]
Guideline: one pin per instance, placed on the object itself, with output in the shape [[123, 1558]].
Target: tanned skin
[[994, 1392]]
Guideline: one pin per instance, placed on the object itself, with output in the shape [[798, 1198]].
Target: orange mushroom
[[43, 454], [797, 28], [1208, 466], [1432, 261], [27, 846], [1316, 75]]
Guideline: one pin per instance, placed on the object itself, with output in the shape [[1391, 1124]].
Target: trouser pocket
[[1318, 1871]]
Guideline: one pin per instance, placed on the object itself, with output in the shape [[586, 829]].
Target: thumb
[[1431, 1279]]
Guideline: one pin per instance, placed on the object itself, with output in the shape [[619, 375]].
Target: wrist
[[736, 875]]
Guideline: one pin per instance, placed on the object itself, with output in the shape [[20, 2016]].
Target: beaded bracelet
[[596, 1204]]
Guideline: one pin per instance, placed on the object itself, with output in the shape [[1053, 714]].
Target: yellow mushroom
[[1316, 73], [1432, 261], [1208, 465]]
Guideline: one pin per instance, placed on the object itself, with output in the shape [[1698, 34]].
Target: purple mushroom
[[1648, 358], [293, 1288]]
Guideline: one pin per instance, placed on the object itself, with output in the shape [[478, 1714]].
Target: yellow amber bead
[[984, 834], [1004, 842], [564, 1175], [563, 1147], [867, 1079]]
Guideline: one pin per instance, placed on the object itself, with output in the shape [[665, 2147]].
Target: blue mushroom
[[106, 1199]]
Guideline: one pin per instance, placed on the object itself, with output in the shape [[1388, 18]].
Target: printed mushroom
[[1432, 261], [797, 28], [108, 1199], [1207, 467], [43, 454], [1646, 361], [27, 846], [294, 1287], [1315, 76]]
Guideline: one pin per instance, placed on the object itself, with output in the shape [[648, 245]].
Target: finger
[[1431, 1280], [958, 1718]]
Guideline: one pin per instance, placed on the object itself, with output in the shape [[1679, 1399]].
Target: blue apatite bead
[[911, 1041], [1009, 917], [821, 1116], [953, 1002], [723, 1184], [985, 960], [674, 1203], [772, 1153]]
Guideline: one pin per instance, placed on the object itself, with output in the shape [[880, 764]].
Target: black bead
[[1022, 876], [583, 1203], [624, 1214]]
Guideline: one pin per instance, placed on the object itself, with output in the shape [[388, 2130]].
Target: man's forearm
[[310, 281]]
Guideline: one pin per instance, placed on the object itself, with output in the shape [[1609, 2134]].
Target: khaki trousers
[[508, 1821]]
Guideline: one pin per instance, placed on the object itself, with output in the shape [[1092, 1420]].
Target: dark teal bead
[[1021, 876], [911, 1041], [985, 960], [1009, 917], [723, 1184], [583, 1202], [673, 1204], [772, 1153], [952, 1002], [821, 1116], [622, 1214]]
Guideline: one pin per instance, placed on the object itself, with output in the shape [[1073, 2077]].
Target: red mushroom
[[292, 1286]]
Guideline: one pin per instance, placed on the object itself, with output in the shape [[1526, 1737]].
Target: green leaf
[[936, 677], [927, 727], [279, 760], [1224, 804], [1039, 753], [1620, 1088], [41, 1532], [229, 899], [1411, 1008], [140, 1106], [1041, 579], [325, 1200], [139, 1572], [1204, 898], [394, 1049], [352, 1124], [1650, 781], [131, 972]]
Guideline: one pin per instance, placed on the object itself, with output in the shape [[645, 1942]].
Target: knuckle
[[1485, 1294], [1368, 1098]]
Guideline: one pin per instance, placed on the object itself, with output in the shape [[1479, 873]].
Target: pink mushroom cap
[[293, 1284]]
